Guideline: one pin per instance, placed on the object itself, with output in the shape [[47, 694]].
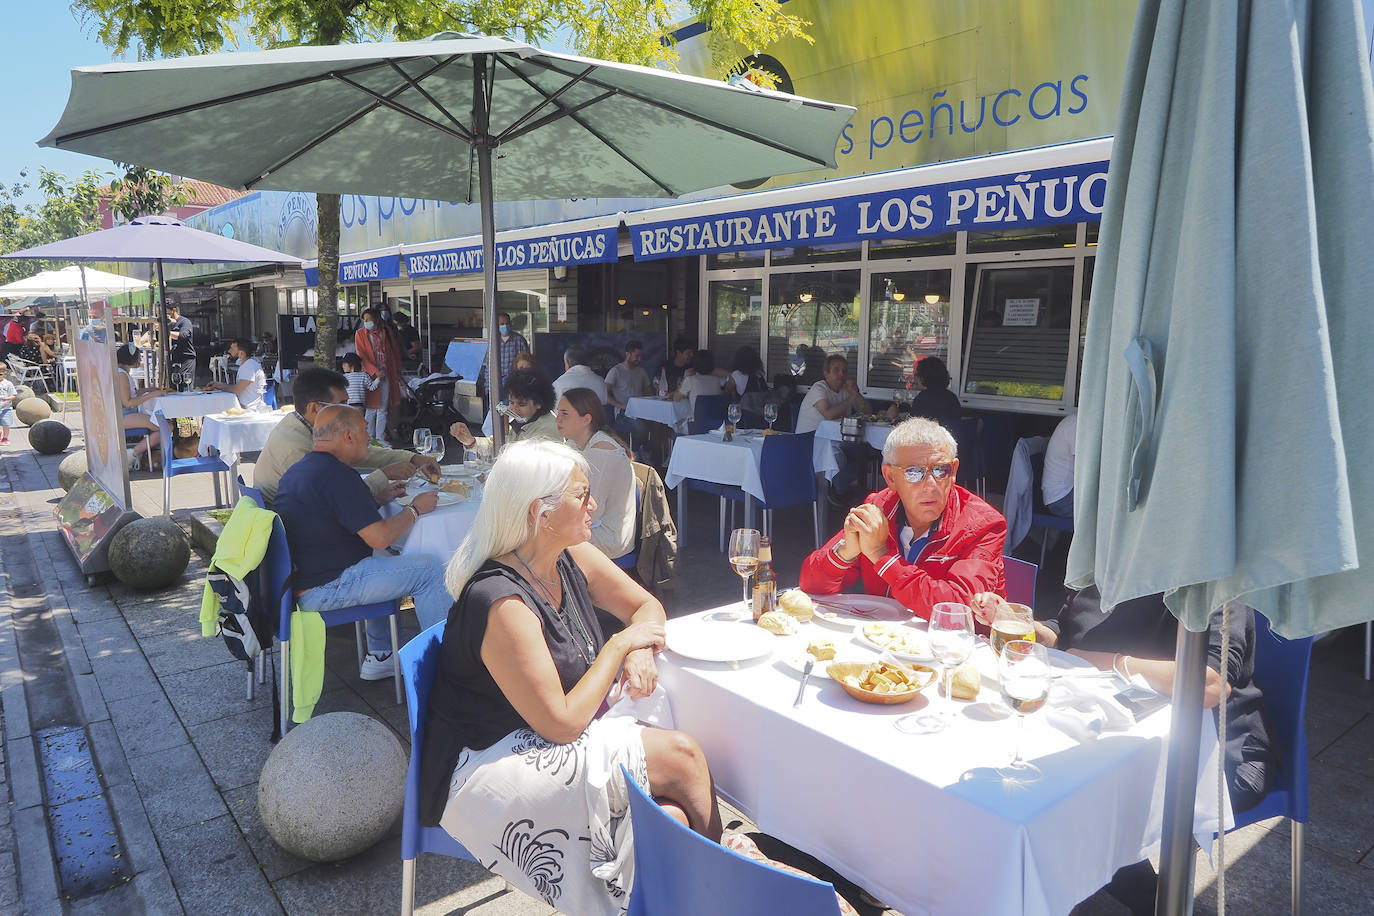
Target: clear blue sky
[[40, 42]]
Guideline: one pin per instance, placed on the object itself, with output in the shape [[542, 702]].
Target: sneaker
[[376, 667]]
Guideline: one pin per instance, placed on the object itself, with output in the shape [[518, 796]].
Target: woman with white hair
[[515, 764]]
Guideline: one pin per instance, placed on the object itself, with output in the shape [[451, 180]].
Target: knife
[[806, 676]]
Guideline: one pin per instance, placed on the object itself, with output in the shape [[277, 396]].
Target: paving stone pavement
[[179, 746]]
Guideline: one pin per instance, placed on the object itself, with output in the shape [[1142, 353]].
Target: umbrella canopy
[[459, 118], [154, 239], [72, 283], [1224, 428], [394, 119]]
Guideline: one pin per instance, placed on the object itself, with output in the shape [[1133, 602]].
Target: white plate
[[445, 499], [846, 612], [719, 641], [924, 657]]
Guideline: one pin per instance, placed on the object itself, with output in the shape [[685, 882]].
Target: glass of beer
[[744, 557], [1012, 621]]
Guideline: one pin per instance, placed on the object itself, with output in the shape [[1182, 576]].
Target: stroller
[[430, 406]]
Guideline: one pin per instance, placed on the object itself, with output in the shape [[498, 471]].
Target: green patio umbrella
[[457, 118], [1224, 428]]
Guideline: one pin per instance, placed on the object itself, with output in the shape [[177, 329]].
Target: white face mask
[[368, 325]]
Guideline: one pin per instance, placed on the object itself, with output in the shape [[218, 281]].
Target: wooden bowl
[[838, 671]]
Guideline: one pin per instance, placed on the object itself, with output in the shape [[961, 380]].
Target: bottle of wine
[[765, 580]]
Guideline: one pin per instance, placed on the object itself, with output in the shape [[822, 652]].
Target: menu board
[[88, 517]]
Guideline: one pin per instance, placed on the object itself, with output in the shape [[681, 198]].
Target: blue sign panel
[[595, 246], [385, 267], [1065, 194]]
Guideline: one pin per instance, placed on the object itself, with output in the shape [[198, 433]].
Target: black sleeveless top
[[466, 707]]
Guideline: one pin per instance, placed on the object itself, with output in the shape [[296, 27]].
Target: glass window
[[908, 321], [736, 311], [1092, 233], [732, 259], [817, 254], [1021, 238], [1088, 265], [811, 316], [922, 246], [1018, 342]]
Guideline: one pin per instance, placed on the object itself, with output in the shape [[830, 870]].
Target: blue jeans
[[1062, 507], [377, 579]]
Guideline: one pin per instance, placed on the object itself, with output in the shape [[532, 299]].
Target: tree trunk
[[327, 316]]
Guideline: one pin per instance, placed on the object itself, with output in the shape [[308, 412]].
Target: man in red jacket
[[922, 540]]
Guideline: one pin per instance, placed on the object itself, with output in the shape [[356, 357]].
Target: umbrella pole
[[1176, 857], [164, 343], [481, 111]]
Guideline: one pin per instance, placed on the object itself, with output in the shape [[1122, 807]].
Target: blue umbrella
[[1224, 430]]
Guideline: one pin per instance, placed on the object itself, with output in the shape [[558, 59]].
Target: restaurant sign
[[361, 270], [1064, 194], [596, 246]]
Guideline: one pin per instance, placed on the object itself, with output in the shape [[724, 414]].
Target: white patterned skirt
[[553, 819]]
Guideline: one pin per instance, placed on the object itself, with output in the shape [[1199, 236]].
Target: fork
[[806, 676]]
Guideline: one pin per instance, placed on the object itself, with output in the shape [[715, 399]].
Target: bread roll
[[778, 624], [821, 649], [966, 682], [797, 603]]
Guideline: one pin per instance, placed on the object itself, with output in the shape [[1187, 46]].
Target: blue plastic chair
[[252, 493], [175, 467], [277, 562], [1281, 670], [419, 663], [1040, 518], [1020, 576], [678, 872], [971, 475], [708, 412], [789, 479], [269, 394]]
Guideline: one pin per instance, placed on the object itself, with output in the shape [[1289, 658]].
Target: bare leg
[[678, 773], [674, 811]]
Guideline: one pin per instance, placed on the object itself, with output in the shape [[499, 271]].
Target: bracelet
[[1119, 666], [415, 512], [835, 551]]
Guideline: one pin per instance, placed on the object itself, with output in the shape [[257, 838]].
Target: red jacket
[[962, 558]]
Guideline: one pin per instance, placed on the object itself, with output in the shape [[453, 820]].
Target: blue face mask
[[369, 325], [504, 328]]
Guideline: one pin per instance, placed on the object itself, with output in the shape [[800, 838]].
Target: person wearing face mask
[[376, 346], [532, 401], [292, 439], [513, 343]]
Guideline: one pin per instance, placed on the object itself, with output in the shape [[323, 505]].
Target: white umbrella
[[74, 282]]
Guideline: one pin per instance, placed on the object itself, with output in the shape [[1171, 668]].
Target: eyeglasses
[[916, 473], [582, 498]]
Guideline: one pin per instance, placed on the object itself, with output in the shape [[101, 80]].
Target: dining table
[[673, 414], [439, 532], [708, 457], [178, 404], [828, 435], [230, 436], [924, 822]]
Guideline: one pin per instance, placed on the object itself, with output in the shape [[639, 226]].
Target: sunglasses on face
[[916, 473]]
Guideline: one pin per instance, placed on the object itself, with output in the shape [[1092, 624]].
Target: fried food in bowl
[[881, 682]]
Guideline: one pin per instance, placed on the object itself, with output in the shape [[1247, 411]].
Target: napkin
[[1084, 708], [651, 710], [719, 432]]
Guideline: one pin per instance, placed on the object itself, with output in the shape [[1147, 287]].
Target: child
[[359, 384], [7, 395]]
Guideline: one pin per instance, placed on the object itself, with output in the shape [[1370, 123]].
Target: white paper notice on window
[[562, 308], [1020, 313]]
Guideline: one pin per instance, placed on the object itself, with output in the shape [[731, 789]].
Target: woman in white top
[[582, 422], [130, 399], [701, 379]]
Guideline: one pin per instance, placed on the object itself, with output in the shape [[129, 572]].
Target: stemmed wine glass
[[1023, 671], [419, 438], [435, 447], [732, 414], [770, 414], [744, 557], [951, 642]]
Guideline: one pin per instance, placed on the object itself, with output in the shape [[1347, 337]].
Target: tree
[[143, 192], [631, 31], [69, 208]]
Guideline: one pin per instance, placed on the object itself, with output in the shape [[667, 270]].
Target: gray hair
[[574, 356], [335, 420], [525, 473], [918, 431]]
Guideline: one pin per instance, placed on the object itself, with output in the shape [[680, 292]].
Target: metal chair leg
[[285, 685], [166, 492], [1298, 828], [251, 666], [1368, 632], [722, 524], [407, 887], [358, 635], [219, 500], [396, 660]]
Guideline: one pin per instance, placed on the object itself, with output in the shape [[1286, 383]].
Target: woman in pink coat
[[381, 358]]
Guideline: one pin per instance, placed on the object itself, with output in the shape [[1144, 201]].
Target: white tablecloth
[[828, 435], [660, 410], [923, 822], [231, 436], [190, 404], [437, 533], [709, 457]]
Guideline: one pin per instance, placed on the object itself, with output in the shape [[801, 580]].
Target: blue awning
[[360, 267], [588, 241]]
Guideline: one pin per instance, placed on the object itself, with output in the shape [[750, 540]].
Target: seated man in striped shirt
[[923, 539]]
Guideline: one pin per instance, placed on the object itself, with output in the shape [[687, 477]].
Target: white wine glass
[[744, 557], [770, 414], [435, 447], [1023, 673], [418, 438], [732, 414], [951, 642]]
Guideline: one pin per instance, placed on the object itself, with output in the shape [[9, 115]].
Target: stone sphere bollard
[[333, 786], [52, 400], [49, 437], [23, 393], [72, 469], [31, 410], [149, 553]]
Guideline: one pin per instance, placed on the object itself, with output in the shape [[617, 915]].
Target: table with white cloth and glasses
[[190, 404], [710, 458], [828, 436], [231, 435], [923, 822], [673, 414], [438, 533]]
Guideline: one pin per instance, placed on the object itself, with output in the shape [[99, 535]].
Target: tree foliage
[[69, 207], [141, 192], [630, 31]]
